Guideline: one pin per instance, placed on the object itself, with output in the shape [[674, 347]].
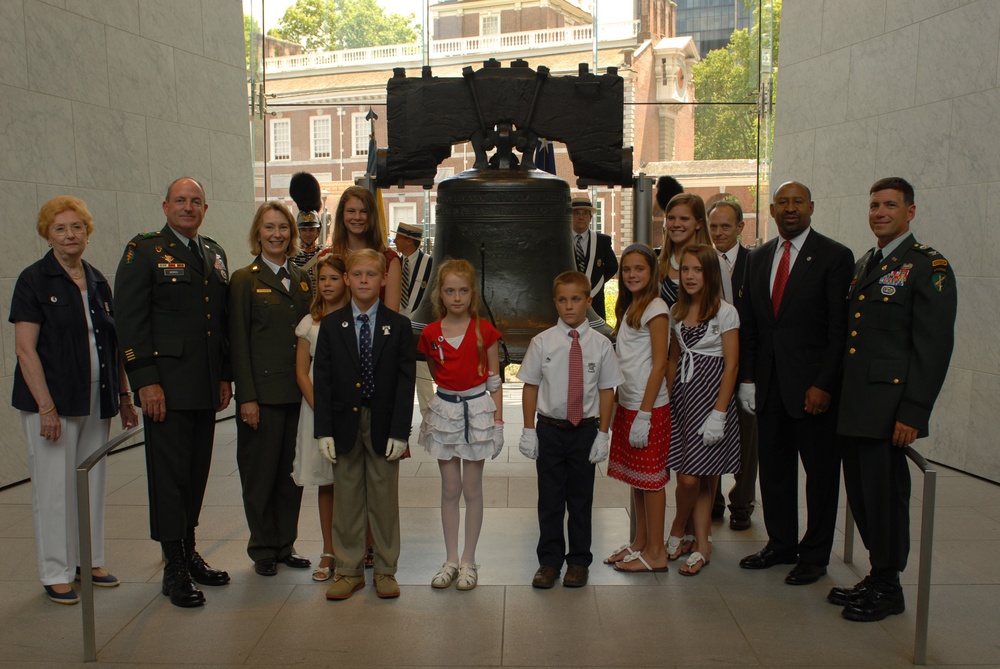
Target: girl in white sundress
[[309, 466]]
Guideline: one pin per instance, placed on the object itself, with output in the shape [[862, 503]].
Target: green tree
[[730, 75], [331, 25], [251, 34]]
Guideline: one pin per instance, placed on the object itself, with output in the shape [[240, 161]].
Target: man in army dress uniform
[[170, 299], [901, 331]]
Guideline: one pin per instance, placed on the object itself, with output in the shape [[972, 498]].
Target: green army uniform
[[171, 323], [901, 332], [263, 315]]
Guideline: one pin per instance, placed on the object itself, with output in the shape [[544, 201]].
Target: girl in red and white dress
[[464, 421], [640, 436]]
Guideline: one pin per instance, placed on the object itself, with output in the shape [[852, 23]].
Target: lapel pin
[[343, 324], [386, 330]]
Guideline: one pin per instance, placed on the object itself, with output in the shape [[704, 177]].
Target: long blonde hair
[[646, 295], [464, 270], [336, 263]]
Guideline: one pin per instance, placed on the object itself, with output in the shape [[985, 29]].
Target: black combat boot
[[176, 578], [198, 568]]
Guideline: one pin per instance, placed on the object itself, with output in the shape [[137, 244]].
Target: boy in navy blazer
[[363, 381]]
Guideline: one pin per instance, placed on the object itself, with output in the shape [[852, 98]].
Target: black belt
[[565, 424], [464, 401]]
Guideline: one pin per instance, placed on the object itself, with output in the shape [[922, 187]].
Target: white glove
[[746, 396], [394, 449], [497, 440], [529, 443], [714, 428], [493, 383], [327, 450], [599, 451], [638, 436]]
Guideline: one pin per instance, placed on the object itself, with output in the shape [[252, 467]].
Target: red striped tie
[[574, 400], [781, 278]]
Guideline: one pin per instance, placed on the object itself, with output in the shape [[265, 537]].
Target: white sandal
[[445, 576], [674, 547], [323, 573], [468, 576], [692, 560]]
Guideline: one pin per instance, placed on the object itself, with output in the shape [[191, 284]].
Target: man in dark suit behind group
[[170, 303], [725, 224], [792, 331], [593, 252], [902, 306]]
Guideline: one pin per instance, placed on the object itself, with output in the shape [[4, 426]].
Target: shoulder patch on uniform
[[940, 262], [939, 279], [150, 235]]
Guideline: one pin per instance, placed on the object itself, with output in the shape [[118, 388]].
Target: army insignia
[[939, 279], [304, 286], [895, 278], [129, 254], [940, 262], [168, 257], [888, 290], [591, 368], [263, 290], [908, 265], [386, 330], [130, 355], [221, 266], [158, 249]]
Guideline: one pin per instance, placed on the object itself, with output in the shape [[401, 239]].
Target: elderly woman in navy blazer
[[68, 384]]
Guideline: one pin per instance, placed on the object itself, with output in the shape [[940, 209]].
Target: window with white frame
[[489, 24], [321, 138], [362, 129], [281, 139], [599, 215]]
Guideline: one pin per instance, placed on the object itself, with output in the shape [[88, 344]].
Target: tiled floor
[[724, 617]]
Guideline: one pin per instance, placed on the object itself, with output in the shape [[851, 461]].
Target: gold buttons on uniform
[[885, 299], [206, 299], [854, 333], [852, 350], [861, 298], [355, 409], [895, 380], [357, 385], [857, 314]]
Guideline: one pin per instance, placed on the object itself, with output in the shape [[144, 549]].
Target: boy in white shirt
[[569, 374]]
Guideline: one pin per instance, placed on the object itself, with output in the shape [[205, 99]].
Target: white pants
[[52, 466]]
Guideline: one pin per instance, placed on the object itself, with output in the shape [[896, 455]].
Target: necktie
[[193, 245], [404, 301], [875, 261], [581, 255], [728, 263], [781, 278], [284, 277], [574, 400], [365, 349]]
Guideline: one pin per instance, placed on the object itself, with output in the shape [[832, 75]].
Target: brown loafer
[[545, 577], [386, 586], [576, 576]]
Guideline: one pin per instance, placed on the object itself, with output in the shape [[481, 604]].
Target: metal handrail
[[926, 547], [86, 548]]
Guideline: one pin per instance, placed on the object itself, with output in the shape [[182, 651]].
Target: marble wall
[[110, 100], [876, 88]]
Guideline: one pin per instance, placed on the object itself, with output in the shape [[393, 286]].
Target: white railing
[[481, 44]]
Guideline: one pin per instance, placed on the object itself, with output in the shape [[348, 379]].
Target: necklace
[[75, 277]]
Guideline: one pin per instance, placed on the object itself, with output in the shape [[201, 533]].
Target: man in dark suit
[[170, 299], [792, 330], [725, 225], [901, 317], [363, 379], [415, 273], [593, 252]]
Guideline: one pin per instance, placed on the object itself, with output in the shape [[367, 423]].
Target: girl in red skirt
[[640, 438]]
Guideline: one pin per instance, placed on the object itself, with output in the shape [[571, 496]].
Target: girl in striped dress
[[705, 436]]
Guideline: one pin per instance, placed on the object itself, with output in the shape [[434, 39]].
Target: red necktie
[[574, 400], [781, 278]]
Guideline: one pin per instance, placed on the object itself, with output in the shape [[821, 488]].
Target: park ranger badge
[[304, 286]]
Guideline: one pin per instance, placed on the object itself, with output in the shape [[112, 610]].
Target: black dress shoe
[[766, 558], [879, 601], [739, 521], [295, 561], [266, 567], [203, 574], [846, 596], [804, 573]]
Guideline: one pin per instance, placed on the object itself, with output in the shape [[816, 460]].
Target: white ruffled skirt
[[443, 430]]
